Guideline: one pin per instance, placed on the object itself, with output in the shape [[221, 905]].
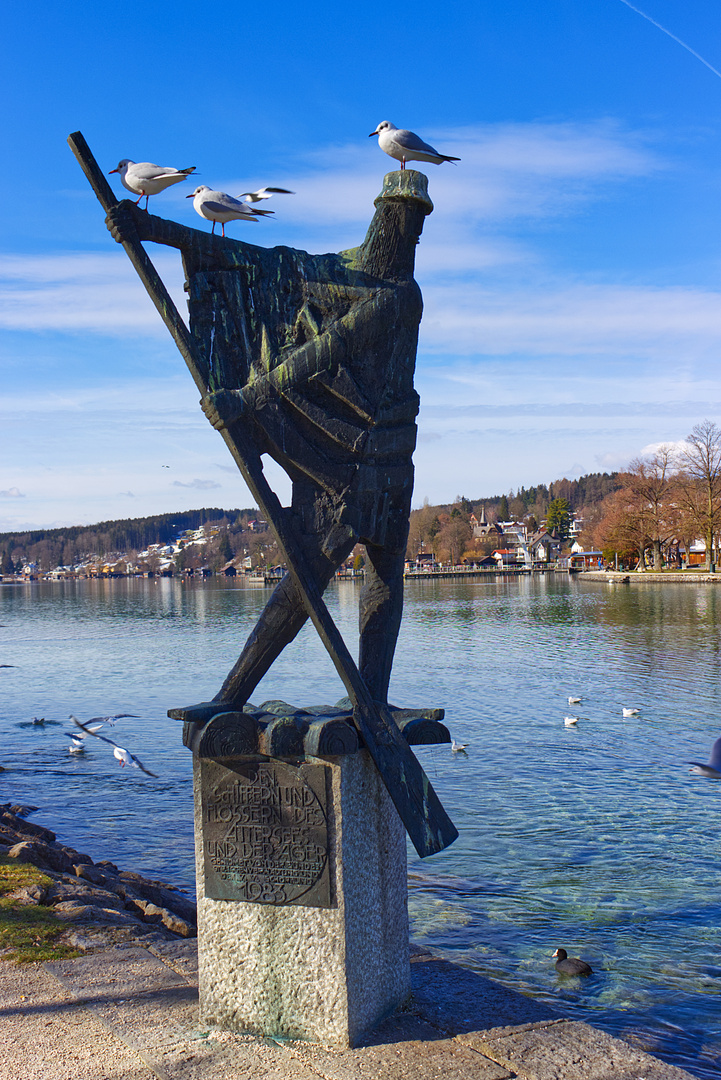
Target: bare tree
[[700, 484], [650, 480]]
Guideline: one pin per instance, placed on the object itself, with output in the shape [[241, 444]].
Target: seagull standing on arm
[[216, 206], [143, 178]]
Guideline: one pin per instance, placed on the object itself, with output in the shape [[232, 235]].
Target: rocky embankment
[[100, 902]]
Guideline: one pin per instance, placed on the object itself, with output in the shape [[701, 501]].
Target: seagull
[[459, 747], [629, 712], [569, 721], [145, 179], [92, 727], [406, 146], [574, 701], [38, 721], [112, 720], [264, 193], [123, 756], [713, 770], [217, 206], [77, 743]]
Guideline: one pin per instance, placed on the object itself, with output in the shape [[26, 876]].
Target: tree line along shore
[[663, 511]]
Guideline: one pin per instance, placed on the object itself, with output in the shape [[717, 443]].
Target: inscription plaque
[[265, 833]]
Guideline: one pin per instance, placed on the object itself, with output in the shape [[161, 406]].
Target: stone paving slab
[[458, 1000], [114, 974], [402, 1048], [46, 1035], [570, 1050]]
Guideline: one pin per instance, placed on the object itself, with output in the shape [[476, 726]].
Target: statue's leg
[[285, 613], [381, 600], [381, 608]]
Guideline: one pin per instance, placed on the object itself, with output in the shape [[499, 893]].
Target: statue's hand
[[224, 407], [122, 221]]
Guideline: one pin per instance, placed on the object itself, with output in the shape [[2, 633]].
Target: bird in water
[[119, 752], [459, 747], [627, 713], [571, 721], [143, 178], [216, 206], [712, 771], [38, 721], [406, 145], [574, 701], [571, 965]]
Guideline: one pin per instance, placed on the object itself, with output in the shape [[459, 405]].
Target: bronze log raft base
[[310, 359]]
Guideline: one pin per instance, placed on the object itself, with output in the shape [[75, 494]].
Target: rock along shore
[[101, 904]]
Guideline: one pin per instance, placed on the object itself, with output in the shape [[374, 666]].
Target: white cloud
[[79, 293], [199, 485], [584, 320], [12, 493]]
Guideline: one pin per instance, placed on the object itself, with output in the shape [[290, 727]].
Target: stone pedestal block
[[302, 896]]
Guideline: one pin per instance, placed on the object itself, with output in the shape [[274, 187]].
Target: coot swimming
[[571, 965]]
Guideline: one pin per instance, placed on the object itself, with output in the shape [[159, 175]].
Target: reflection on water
[[594, 838]]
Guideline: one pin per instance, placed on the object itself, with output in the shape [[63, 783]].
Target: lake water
[[594, 838]]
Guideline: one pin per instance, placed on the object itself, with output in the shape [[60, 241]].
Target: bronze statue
[[310, 359], [321, 371]]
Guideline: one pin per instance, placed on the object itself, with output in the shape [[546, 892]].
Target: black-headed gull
[[123, 756], [571, 721], [713, 770], [145, 179], [406, 145], [574, 701], [459, 747], [216, 206], [264, 193], [627, 713]]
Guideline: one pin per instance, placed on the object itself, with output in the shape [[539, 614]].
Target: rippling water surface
[[594, 838]]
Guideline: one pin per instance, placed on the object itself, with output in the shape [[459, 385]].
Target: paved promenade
[[131, 1013]]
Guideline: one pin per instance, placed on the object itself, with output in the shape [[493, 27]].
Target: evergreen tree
[[559, 517]]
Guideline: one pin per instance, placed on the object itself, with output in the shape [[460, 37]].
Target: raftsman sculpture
[[300, 812]]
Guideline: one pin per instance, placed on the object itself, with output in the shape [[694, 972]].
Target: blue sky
[[571, 270]]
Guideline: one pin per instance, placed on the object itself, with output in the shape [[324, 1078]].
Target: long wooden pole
[[420, 809]]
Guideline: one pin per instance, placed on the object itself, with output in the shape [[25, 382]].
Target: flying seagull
[[406, 145], [264, 193], [145, 179], [123, 756], [713, 770]]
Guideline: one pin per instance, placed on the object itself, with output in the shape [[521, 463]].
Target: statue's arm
[[360, 327], [125, 220]]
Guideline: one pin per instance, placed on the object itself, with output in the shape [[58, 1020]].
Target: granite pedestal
[[302, 875]]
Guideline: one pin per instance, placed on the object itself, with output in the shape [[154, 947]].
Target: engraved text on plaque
[[265, 835]]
